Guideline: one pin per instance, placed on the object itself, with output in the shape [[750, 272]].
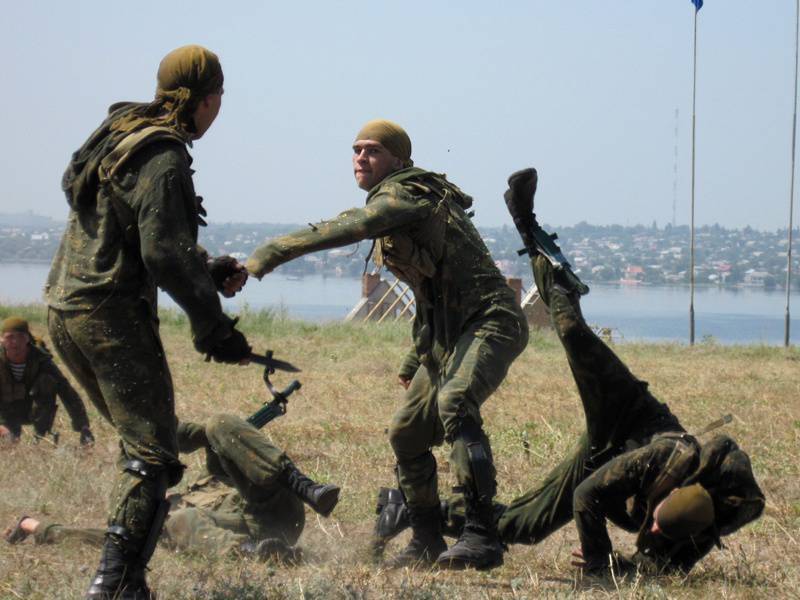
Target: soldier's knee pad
[[163, 476], [479, 455], [158, 478], [156, 474]]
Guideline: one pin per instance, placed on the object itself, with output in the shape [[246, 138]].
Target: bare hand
[[404, 381]]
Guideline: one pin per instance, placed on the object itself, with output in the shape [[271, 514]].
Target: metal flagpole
[[694, 126], [791, 179]]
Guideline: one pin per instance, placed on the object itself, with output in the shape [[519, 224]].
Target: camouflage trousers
[[212, 519], [438, 400], [215, 518], [620, 413], [117, 357]]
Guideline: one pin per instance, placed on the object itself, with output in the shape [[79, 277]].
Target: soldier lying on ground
[[250, 502], [686, 492], [29, 384], [467, 331]]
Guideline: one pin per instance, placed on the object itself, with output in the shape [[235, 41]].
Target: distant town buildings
[[636, 255]]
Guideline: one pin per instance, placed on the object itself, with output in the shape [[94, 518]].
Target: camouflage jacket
[[140, 235], [32, 400], [627, 489], [423, 236]]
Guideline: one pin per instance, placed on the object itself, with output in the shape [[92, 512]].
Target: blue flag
[[698, 4]]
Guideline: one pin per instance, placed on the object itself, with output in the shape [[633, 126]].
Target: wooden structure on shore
[[383, 300], [536, 312]]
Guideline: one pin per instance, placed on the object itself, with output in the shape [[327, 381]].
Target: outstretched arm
[[387, 210]]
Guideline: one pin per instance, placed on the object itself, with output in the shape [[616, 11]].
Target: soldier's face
[[655, 527], [372, 163], [205, 113], [16, 345]]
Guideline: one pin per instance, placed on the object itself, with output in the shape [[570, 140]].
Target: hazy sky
[[586, 91]]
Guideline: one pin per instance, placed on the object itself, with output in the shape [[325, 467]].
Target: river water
[[729, 316]]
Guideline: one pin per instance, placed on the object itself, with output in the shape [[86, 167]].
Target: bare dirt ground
[[335, 431]]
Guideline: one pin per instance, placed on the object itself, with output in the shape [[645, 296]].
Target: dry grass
[[335, 431]]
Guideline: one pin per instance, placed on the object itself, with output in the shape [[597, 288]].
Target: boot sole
[[327, 502]]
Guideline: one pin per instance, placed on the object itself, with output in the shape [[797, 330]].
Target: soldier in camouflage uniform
[[132, 228], [250, 501], [633, 444], [29, 384], [467, 330]]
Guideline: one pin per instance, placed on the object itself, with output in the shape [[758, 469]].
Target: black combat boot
[[322, 497], [479, 546], [426, 540], [119, 576], [392, 520], [519, 200]]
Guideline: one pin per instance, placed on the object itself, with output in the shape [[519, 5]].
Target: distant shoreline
[[605, 284]]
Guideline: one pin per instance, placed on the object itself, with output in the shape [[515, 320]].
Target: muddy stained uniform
[[132, 228], [32, 401], [609, 464], [467, 329], [620, 414], [642, 478], [238, 500]]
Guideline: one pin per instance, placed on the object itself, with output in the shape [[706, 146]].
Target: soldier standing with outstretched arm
[[467, 331], [132, 228]]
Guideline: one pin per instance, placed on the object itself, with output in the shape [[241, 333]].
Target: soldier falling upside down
[[686, 492]]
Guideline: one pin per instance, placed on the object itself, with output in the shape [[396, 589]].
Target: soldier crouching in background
[[29, 384], [686, 492], [249, 502]]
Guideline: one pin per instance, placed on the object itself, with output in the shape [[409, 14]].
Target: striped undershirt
[[17, 370]]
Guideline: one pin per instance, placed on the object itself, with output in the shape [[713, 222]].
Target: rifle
[[544, 243], [277, 406]]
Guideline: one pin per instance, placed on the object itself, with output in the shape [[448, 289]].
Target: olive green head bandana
[[189, 71], [185, 76], [686, 512], [391, 136], [15, 324]]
